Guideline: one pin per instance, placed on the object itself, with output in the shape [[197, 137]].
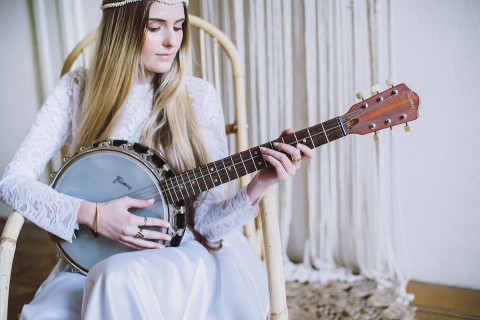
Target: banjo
[[112, 169]]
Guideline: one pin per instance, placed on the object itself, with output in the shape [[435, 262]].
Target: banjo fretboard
[[213, 174]]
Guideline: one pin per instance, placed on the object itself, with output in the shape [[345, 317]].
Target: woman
[[139, 89]]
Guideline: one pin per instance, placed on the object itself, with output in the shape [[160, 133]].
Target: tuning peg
[[376, 137], [360, 95], [376, 88], [390, 82], [391, 131], [407, 127]]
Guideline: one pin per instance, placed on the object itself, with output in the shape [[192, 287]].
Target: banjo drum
[[108, 170]]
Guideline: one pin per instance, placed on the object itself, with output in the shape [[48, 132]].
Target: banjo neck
[[213, 174], [386, 109]]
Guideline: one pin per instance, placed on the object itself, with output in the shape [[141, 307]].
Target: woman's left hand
[[285, 160]]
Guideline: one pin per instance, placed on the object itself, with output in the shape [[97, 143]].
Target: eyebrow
[[162, 20]]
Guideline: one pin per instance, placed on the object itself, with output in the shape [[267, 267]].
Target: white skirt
[[187, 282]]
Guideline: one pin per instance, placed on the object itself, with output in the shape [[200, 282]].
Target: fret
[[196, 181], [290, 139], [204, 172], [227, 164], [253, 160], [243, 163], [168, 194], [218, 172], [203, 178], [319, 135], [234, 166], [258, 158], [323, 128], [313, 144], [191, 182], [303, 138], [179, 187], [238, 164], [184, 185], [334, 131], [222, 171], [214, 174], [247, 161], [210, 177]]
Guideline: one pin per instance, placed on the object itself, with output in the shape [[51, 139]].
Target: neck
[[213, 174]]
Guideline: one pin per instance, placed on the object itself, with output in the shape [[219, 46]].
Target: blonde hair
[[115, 66]]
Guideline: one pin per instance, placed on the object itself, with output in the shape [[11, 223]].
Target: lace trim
[[55, 125]]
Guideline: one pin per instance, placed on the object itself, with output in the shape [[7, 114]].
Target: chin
[[160, 69]]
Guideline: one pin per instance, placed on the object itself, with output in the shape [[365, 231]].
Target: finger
[[286, 132], [306, 151], [281, 173], [294, 153], [155, 235], [136, 237], [139, 203], [131, 245], [282, 158], [145, 244], [150, 222]]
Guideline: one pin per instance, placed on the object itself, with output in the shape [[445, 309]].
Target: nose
[[170, 39]]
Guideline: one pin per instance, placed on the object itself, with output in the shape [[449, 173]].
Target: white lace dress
[[186, 282]]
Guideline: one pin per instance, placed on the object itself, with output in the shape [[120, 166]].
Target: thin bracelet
[[97, 218]]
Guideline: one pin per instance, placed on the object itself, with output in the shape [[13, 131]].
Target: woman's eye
[[153, 29], [177, 28]]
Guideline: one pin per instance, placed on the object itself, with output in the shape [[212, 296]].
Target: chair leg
[[273, 256], [7, 250]]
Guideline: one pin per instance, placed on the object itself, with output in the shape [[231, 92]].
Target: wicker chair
[[263, 233]]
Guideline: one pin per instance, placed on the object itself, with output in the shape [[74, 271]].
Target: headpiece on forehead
[[122, 3]]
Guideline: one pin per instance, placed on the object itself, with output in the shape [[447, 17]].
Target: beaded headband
[[122, 3]]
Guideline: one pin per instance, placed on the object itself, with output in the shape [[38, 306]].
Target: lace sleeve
[[216, 216], [20, 188]]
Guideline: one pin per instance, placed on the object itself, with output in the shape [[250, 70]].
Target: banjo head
[[106, 171]]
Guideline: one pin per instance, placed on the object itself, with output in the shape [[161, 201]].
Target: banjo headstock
[[386, 109]]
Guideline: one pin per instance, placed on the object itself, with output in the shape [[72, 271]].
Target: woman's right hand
[[117, 223]]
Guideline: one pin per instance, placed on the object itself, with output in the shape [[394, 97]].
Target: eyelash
[[156, 29]]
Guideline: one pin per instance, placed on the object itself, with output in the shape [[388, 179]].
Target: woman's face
[[163, 36]]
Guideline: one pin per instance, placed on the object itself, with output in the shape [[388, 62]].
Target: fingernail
[[168, 238], [151, 200], [276, 144], [160, 246], [168, 224], [263, 148]]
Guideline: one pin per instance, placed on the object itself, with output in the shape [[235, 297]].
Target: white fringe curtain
[[305, 60]]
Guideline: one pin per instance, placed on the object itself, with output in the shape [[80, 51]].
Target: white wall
[[437, 54], [19, 79]]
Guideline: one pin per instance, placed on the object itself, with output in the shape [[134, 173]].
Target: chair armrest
[[273, 258], [7, 250]]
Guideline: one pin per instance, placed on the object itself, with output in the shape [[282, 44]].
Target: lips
[[165, 56]]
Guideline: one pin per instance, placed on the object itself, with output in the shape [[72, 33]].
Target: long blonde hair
[[115, 66]]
